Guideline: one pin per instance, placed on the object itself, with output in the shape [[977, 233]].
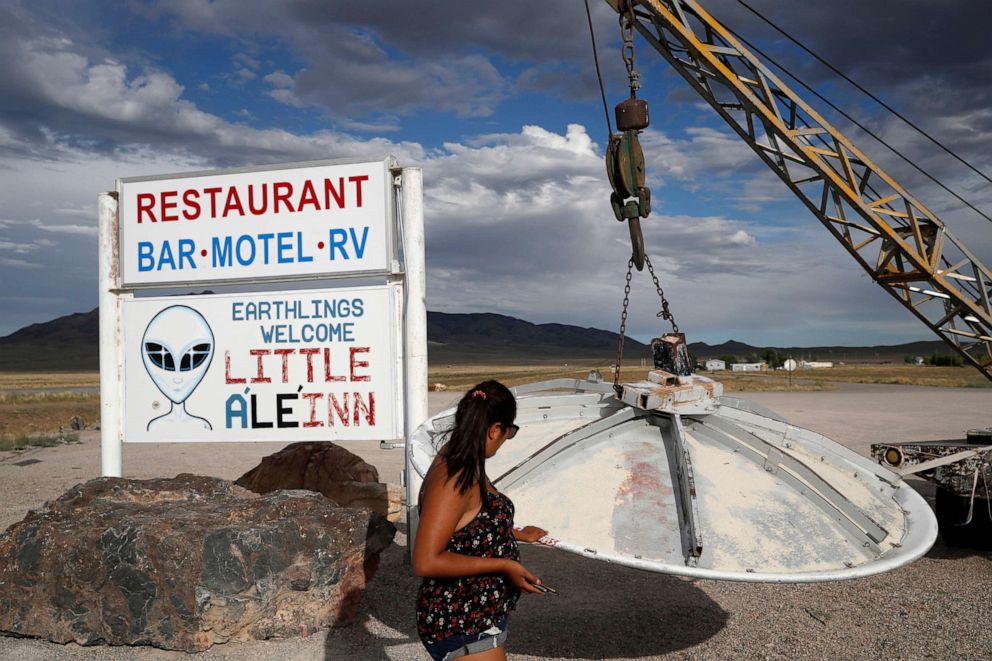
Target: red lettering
[[337, 193], [281, 190], [285, 353], [358, 181], [251, 199], [308, 196], [212, 192], [233, 202], [327, 368], [309, 353], [333, 406], [259, 353], [190, 197], [313, 397], [355, 364], [166, 206], [146, 203], [227, 370], [369, 409]]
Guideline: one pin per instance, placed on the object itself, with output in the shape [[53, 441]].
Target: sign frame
[[389, 165], [406, 270], [389, 390]]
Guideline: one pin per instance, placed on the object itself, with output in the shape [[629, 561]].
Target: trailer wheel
[[952, 510]]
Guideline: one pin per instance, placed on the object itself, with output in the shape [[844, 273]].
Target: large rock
[[184, 563], [329, 469]]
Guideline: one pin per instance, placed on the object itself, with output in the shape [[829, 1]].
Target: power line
[[599, 76], [874, 98], [861, 126]]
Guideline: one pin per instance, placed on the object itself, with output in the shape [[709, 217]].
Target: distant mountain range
[[71, 343]]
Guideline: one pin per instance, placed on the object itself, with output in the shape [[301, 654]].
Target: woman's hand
[[529, 533], [521, 577]]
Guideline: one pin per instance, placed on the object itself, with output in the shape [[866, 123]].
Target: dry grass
[[59, 380], [462, 377], [28, 419], [901, 374], [36, 440], [768, 382]]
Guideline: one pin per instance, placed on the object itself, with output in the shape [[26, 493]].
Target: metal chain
[[623, 326], [665, 313], [627, 32]]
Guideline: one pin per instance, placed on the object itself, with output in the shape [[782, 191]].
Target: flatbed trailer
[[961, 469]]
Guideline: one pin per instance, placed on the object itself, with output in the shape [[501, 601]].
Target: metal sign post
[[416, 327]]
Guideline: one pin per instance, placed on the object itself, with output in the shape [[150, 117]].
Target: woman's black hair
[[482, 406]]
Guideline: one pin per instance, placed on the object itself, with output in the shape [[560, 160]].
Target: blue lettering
[[166, 257], [346, 335], [338, 239], [300, 257], [285, 247], [145, 260], [222, 253], [186, 248], [359, 249], [265, 246], [239, 412], [266, 333], [237, 311], [357, 307], [245, 240]]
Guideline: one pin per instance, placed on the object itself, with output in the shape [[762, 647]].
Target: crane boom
[[903, 245]]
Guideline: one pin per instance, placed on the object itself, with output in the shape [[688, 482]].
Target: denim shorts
[[454, 647]]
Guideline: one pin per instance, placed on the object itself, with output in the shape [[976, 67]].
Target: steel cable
[[856, 122]]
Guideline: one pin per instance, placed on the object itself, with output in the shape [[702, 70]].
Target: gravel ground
[[937, 607]]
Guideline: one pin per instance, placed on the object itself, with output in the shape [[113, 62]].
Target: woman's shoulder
[[438, 476]]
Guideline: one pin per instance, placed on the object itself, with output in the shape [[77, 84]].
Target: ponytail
[[482, 406]]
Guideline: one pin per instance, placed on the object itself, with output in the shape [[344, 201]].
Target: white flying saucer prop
[[673, 477]]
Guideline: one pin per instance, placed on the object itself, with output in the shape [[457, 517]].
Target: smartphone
[[544, 588]]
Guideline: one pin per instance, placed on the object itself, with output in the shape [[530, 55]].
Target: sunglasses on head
[[512, 430]]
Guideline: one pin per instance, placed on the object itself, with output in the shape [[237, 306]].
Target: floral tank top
[[468, 605]]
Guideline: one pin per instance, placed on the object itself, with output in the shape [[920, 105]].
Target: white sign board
[[298, 221], [789, 365], [283, 366]]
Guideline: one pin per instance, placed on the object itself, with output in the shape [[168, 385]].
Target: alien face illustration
[[177, 348]]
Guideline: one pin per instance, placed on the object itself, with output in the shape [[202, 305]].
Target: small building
[[749, 367], [715, 365], [814, 364]]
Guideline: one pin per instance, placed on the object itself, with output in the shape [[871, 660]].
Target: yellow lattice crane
[[903, 245]]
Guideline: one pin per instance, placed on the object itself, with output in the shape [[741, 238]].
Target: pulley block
[[632, 114]]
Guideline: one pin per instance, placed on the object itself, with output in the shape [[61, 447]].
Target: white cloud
[[18, 264], [17, 248], [86, 230]]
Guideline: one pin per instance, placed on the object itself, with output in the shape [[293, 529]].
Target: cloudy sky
[[498, 103]]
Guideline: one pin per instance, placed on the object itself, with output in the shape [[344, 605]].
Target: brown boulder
[[184, 563], [328, 469]]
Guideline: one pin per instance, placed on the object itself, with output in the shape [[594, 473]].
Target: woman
[[466, 546]]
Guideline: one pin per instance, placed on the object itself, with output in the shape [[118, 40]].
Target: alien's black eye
[[194, 357], [160, 356]]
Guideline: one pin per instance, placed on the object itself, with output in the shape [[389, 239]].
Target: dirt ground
[[936, 608]]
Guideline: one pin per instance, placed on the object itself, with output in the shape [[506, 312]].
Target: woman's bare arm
[[442, 508]]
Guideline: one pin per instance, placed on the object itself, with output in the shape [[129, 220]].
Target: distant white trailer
[[815, 364], [715, 365], [749, 367]]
